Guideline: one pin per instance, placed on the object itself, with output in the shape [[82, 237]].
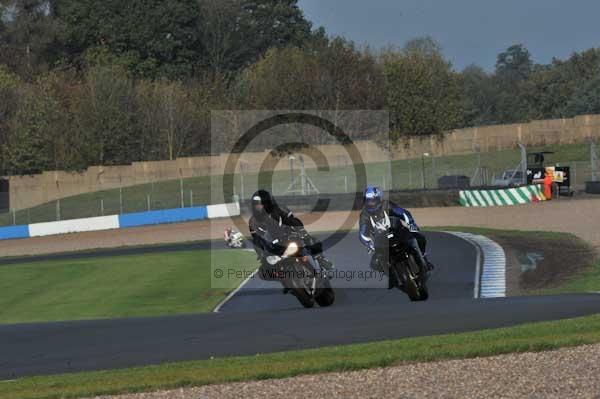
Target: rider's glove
[[371, 249]]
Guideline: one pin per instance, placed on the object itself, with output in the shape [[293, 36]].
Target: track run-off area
[[258, 318]]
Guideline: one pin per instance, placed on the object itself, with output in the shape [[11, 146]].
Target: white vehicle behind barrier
[[510, 178]]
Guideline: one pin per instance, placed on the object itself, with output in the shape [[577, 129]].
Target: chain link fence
[[188, 192], [180, 193], [479, 169]]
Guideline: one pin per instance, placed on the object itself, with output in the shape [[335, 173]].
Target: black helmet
[[265, 200]]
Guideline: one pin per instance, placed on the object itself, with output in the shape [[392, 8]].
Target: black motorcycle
[[298, 271], [407, 270]]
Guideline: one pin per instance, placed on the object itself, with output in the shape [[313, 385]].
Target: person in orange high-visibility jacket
[[548, 180]]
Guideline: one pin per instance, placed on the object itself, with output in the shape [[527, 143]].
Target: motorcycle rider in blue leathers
[[375, 211]]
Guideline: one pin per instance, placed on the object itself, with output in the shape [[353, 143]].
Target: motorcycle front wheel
[[301, 287]]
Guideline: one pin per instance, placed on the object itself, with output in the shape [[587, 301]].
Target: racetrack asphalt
[[260, 319], [453, 279]]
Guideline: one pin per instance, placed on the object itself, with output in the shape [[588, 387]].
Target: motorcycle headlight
[[292, 249]]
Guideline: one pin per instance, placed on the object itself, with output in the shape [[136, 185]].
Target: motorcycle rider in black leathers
[[267, 217], [374, 214]]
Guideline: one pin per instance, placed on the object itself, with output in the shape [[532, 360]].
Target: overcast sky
[[470, 31]]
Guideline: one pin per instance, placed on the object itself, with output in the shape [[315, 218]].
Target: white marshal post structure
[[523, 164], [304, 185], [594, 160], [423, 180], [592, 186]]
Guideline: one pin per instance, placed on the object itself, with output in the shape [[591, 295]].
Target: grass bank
[[570, 265], [524, 338], [117, 286]]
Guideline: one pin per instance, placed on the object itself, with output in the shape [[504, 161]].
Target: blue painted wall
[[127, 220], [164, 216], [7, 233]]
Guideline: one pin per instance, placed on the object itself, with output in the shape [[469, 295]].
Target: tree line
[[86, 83]]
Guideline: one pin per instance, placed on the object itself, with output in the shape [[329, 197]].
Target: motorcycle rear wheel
[[325, 296], [303, 297], [415, 288], [423, 292]]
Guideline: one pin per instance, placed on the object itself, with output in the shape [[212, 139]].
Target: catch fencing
[[479, 169]]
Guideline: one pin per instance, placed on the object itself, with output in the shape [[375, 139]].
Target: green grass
[[524, 338], [586, 281], [197, 190], [177, 283], [120, 286]]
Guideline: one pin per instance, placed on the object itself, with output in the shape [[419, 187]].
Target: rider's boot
[[393, 282], [324, 263], [378, 266], [430, 265]]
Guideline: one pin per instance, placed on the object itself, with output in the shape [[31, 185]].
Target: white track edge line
[[232, 293]]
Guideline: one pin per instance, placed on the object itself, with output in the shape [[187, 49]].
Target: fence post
[[121, 200], [409, 175], [101, 206], [181, 189], [523, 163], [191, 198], [594, 160], [423, 181], [479, 168], [148, 202], [389, 168], [433, 174], [58, 210], [242, 182], [14, 217]]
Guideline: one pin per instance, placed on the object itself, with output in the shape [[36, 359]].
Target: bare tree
[[167, 117]]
